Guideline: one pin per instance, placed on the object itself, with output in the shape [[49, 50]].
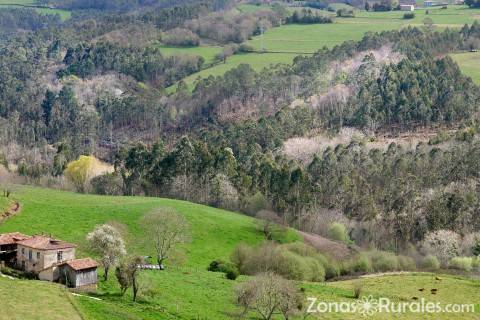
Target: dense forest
[[98, 86]]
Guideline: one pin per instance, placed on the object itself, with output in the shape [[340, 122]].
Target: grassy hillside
[[64, 14], [404, 288], [293, 40], [71, 216], [185, 290], [29, 300], [469, 62]]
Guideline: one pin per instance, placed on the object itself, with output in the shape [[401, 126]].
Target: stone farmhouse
[[49, 259]]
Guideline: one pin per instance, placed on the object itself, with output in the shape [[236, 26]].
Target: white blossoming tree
[[107, 242]]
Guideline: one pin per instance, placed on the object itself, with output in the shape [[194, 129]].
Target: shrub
[[301, 249], [461, 263], [332, 269], [476, 248], [430, 262], [362, 264], [292, 266], [409, 15], [337, 231], [240, 256], [230, 270], [181, 37], [108, 184], [406, 263], [232, 274], [293, 261], [357, 289], [346, 267], [384, 261], [216, 266], [316, 270], [476, 263]]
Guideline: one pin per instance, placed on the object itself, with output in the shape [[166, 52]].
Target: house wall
[[49, 274], [46, 258], [86, 277], [78, 278]]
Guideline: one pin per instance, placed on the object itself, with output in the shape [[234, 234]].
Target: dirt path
[[335, 249], [381, 274], [11, 211]]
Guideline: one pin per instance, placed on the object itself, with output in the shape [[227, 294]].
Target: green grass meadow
[[64, 14], [469, 63], [293, 40]]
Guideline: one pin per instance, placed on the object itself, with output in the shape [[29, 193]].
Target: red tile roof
[[12, 238], [82, 264], [45, 243]]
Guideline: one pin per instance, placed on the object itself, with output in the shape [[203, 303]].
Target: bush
[[240, 256], [461, 263], [409, 15], [476, 248], [384, 261], [232, 274], [476, 263], [108, 184], [357, 289], [216, 266], [337, 231], [230, 270], [181, 37], [346, 267], [406, 263], [316, 270], [430, 262], [362, 264], [293, 261], [292, 266]]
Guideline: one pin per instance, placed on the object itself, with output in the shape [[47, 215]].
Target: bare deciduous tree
[[166, 229], [107, 242], [127, 275], [268, 294], [268, 221]]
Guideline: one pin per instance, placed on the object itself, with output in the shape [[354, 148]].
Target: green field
[[469, 62], [29, 300], [64, 14], [185, 290], [293, 40]]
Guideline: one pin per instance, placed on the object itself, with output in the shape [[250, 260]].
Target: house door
[[23, 265]]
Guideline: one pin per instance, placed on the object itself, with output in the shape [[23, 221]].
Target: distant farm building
[[407, 7], [429, 3], [49, 259]]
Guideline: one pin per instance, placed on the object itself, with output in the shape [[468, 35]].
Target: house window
[[59, 256], [23, 250], [38, 255], [30, 255]]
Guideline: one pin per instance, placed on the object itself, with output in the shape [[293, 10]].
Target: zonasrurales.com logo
[[368, 306]]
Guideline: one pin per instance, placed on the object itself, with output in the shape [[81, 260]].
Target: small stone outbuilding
[[79, 273]]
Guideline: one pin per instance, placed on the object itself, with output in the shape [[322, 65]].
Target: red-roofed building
[[39, 252], [79, 272], [50, 259]]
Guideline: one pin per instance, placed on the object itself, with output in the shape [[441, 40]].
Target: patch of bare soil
[[381, 274], [335, 249], [11, 211]]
